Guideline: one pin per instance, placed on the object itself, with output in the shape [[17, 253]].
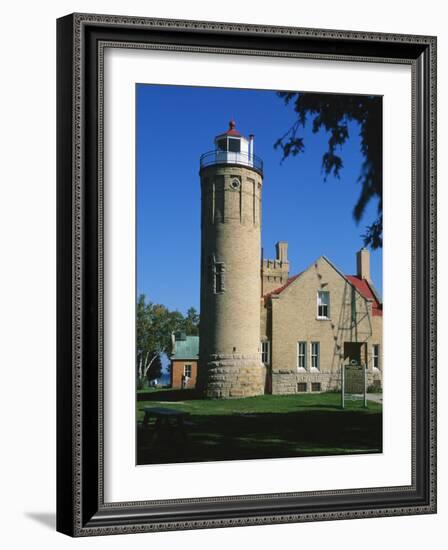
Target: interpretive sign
[[353, 383]]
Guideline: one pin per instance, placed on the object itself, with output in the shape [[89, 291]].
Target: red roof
[[282, 288], [360, 284], [231, 131], [364, 288]]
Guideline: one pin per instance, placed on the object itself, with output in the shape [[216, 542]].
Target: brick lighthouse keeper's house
[[262, 330]]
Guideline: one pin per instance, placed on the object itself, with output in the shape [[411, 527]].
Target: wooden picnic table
[[168, 422]]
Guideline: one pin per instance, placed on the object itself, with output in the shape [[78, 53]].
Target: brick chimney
[[275, 273], [282, 251], [363, 264]]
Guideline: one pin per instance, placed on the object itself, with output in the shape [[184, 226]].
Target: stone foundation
[[235, 375], [288, 382]]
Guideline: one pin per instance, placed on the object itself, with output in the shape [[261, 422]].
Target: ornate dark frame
[[81, 39]]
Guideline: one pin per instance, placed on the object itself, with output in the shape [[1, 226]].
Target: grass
[[267, 426]]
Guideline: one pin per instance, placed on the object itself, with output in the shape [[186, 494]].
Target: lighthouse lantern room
[[233, 148]]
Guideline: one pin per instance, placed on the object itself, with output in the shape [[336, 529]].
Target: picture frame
[[81, 506]]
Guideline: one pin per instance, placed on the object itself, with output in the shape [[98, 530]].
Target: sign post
[[353, 383], [364, 368]]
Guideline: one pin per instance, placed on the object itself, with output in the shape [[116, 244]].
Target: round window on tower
[[235, 183]]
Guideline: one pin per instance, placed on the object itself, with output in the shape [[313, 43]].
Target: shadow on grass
[[265, 435], [168, 395]]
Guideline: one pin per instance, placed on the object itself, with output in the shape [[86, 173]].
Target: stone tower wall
[[229, 358]]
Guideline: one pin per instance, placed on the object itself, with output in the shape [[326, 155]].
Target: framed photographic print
[[246, 274]]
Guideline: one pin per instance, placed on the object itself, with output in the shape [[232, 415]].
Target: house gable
[[295, 317], [320, 269]]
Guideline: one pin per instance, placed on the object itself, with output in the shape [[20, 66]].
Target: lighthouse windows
[[222, 144], [231, 145], [219, 278], [234, 145], [217, 271]]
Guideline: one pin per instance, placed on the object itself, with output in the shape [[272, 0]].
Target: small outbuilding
[[184, 361]]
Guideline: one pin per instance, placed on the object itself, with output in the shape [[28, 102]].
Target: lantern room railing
[[229, 157]]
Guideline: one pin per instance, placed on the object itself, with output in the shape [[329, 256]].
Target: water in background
[[164, 380]]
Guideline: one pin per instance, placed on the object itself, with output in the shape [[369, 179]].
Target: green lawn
[[268, 426]]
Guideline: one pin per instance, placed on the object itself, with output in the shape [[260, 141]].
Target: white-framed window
[[301, 355], [376, 356], [234, 145], [266, 352], [315, 355], [323, 304], [187, 370], [222, 144]]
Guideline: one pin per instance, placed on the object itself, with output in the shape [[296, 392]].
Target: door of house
[[352, 353]]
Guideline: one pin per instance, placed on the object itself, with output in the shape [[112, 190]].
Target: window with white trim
[[315, 355], [376, 356], [266, 352], [323, 304], [187, 370], [301, 355], [222, 144], [234, 145]]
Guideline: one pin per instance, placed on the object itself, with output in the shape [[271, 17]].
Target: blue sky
[[175, 125]]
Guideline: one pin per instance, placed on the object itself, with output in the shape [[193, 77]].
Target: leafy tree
[[333, 112], [155, 370], [155, 325], [191, 322]]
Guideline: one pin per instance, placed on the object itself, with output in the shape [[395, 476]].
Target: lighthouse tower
[[231, 184]]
